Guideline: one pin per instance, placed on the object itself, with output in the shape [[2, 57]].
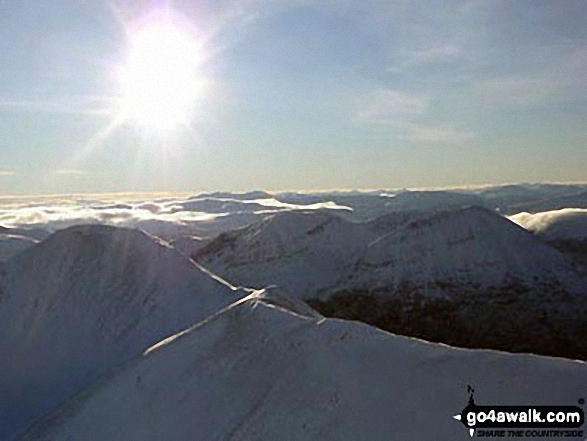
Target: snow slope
[[312, 254], [300, 251], [256, 371], [470, 246], [85, 300]]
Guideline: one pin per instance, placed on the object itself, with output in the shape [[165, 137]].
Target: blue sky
[[302, 95]]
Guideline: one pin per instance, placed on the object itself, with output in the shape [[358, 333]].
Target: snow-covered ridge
[[468, 245], [310, 253], [426, 274], [299, 251], [255, 371], [85, 300]]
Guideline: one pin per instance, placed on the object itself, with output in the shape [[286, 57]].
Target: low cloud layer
[[568, 223], [165, 216]]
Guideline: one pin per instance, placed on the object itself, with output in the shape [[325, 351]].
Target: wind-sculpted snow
[[84, 301], [256, 371]]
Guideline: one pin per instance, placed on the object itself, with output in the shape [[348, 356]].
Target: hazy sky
[[300, 95]]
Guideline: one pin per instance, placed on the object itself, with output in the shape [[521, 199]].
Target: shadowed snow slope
[[15, 240], [85, 300], [31, 233], [258, 372], [12, 244]]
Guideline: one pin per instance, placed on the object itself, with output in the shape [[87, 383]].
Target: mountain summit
[[86, 300]]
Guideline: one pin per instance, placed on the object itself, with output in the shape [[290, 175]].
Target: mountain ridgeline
[[466, 276], [259, 371], [114, 333], [85, 301]]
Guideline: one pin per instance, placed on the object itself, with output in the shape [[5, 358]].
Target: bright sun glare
[[160, 80]]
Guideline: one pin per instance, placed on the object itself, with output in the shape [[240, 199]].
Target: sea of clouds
[[205, 215], [199, 215]]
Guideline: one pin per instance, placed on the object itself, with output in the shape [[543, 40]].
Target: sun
[[160, 80]]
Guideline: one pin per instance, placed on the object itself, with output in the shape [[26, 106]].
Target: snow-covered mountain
[[431, 200], [514, 198], [78, 309], [367, 206], [431, 275], [84, 301], [303, 252], [249, 195], [312, 254], [573, 200], [505, 197], [260, 371], [470, 246]]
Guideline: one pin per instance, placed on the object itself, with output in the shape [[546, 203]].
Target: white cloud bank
[[567, 223], [168, 217]]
